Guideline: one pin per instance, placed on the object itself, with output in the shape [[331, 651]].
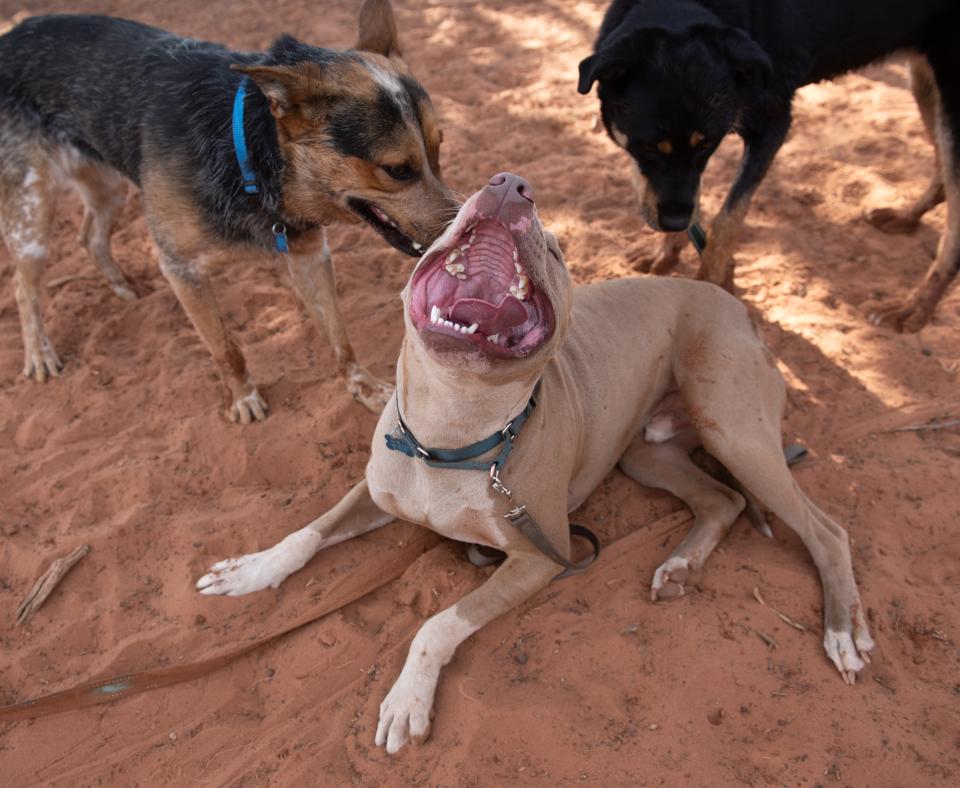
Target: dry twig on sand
[[790, 621], [933, 425], [47, 582], [53, 284]]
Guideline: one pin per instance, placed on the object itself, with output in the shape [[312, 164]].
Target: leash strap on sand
[[369, 577]]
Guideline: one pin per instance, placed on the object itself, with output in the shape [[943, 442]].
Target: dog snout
[[674, 218], [510, 188]]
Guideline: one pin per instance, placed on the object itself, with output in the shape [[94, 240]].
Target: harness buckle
[[515, 513], [508, 433]]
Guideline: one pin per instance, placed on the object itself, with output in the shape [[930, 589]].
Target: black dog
[[675, 76]]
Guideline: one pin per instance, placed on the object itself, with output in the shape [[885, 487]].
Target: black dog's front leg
[[761, 144]]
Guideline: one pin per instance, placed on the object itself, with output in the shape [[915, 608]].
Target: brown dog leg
[[905, 220], [311, 271], [104, 192], [192, 288], [667, 256], [406, 711], [913, 312], [355, 514], [26, 210], [715, 507]]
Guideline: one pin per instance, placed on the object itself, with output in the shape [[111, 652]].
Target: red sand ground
[[589, 681]]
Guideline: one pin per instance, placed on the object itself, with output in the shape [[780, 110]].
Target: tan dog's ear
[[292, 90], [378, 29]]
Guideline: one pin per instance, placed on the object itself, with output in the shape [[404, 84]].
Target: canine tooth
[[434, 314], [494, 337], [473, 327]]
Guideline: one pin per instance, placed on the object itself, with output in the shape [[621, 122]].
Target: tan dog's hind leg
[[28, 195], [315, 284], [406, 712], [355, 514], [192, 288], [905, 220], [103, 192], [715, 507], [740, 426]]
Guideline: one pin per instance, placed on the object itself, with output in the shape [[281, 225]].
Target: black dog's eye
[[402, 172]]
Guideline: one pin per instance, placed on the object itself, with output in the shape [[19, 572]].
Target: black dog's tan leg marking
[[311, 270], [667, 256], [355, 514], [27, 196], [740, 426], [192, 288], [104, 192], [406, 712], [714, 505], [913, 312], [905, 220], [760, 148]]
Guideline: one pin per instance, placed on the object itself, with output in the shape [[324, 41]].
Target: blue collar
[[250, 185], [464, 458]]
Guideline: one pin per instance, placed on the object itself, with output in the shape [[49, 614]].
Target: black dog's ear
[[751, 63], [608, 63]]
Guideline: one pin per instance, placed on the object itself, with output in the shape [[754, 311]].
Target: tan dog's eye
[[400, 172]]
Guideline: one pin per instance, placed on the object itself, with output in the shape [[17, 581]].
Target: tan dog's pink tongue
[[492, 319]]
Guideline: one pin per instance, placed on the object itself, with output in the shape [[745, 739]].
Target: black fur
[[669, 68]]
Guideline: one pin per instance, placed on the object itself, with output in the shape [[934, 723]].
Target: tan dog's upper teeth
[[454, 268]]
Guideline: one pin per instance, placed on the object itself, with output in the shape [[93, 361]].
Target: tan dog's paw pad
[[42, 362], [248, 408], [404, 716], [849, 654], [669, 579]]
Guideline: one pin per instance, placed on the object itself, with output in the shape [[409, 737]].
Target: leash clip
[[279, 231], [497, 484]]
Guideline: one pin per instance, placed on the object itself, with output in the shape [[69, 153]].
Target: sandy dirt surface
[[588, 682]]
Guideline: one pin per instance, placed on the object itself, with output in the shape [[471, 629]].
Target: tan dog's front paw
[[248, 408], [901, 315], [257, 571], [406, 712], [669, 579], [369, 391], [41, 362]]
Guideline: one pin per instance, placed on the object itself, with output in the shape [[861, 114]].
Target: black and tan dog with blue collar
[[238, 155], [537, 390]]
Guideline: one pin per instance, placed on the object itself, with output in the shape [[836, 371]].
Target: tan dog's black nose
[[510, 187]]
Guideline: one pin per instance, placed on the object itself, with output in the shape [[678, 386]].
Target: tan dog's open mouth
[[475, 293]]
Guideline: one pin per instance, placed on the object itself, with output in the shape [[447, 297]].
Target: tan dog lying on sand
[[490, 311]]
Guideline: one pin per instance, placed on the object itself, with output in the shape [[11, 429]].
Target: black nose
[[674, 219]]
